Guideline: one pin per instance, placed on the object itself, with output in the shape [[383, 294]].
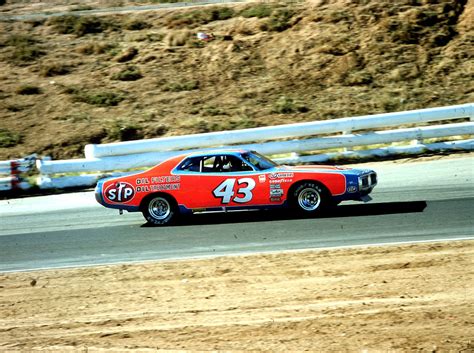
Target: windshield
[[259, 161]]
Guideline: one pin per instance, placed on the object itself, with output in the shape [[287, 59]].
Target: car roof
[[235, 152]]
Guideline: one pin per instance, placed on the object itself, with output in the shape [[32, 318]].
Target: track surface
[[413, 202], [114, 10]]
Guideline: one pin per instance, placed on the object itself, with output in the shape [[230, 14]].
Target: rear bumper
[[100, 199], [98, 193]]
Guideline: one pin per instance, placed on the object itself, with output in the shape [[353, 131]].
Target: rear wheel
[[309, 198], [160, 210]]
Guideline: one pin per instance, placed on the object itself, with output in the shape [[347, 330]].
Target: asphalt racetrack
[[414, 201]]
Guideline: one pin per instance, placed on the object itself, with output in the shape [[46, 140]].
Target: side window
[[215, 164], [191, 165], [235, 164], [209, 164]]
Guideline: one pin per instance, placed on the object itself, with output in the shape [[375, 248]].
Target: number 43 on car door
[[243, 193]]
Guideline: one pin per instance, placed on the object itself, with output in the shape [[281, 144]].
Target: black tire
[[160, 210], [309, 198]]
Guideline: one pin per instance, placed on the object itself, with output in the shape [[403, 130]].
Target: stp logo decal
[[119, 192]]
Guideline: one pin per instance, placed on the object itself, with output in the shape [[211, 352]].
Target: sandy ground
[[408, 297]]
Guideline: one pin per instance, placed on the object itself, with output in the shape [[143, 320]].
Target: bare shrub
[[178, 38], [54, 69], [130, 73], [9, 138], [28, 90], [127, 55], [79, 25], [95, 48]]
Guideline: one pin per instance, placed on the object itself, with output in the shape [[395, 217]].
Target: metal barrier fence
[[456, 129], [13, 170], [146, 153]]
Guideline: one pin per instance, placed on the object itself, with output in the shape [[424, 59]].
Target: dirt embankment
[[68, 81], [406, 298]]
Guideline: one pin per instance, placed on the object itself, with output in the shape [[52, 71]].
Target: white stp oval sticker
[[119, 192]]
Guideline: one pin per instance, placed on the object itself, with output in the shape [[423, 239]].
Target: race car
[[227, 180]]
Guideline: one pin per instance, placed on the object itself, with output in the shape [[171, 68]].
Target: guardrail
[[14, 169], [341, 134], [417, 148], [138, 160], [345, 125]]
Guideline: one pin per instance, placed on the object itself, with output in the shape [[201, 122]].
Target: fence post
[[347, 149], [14, 168]]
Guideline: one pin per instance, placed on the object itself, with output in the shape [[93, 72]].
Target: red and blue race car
[[226, 180]]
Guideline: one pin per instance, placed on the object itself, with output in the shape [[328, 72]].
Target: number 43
[[225, 190]]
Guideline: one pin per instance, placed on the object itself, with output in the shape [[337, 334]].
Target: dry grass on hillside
[[68, 81]]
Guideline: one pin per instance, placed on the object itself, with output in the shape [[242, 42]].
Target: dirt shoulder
[[406, 297]]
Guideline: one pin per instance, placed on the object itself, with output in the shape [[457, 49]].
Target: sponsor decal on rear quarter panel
[[120, 192]]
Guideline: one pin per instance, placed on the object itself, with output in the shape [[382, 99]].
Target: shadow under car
[[359, 210]]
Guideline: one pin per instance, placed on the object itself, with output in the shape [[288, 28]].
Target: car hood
[[323, 169]]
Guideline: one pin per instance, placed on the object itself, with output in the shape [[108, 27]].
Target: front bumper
[[359, 184]]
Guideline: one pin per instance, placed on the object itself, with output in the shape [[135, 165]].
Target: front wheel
[[309, 198], [160, 210]]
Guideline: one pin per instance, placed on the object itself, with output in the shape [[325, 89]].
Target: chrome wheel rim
[[159, 208], [309, 199]]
